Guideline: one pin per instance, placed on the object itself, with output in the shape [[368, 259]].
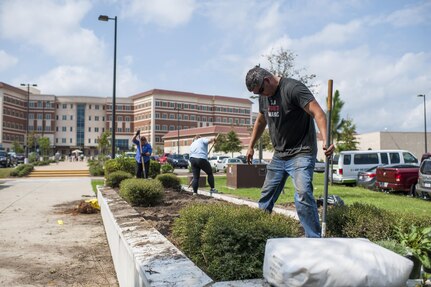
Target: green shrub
[[142, 192], [228, 241], [122, 163], [154, 169], [115, 178], [169, 180], [393, 245], [167, 168], [360, 220], [96, 170], [22, 170]]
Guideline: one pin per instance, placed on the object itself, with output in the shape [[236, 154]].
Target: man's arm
[[259, 127], [313, 108]]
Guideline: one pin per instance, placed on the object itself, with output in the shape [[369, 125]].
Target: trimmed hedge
[[22, 170], [115, 178], [167, 168], [154, 169], [360, 220], [142, 192], [126, 164], [228, 241], [169, 180]]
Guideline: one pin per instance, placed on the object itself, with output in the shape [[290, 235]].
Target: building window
[[71, 117], [64, 117], [63, 129], [96, 118], [63, 140], [96, 130]]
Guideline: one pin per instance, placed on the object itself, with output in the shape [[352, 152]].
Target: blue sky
[[378, 53]]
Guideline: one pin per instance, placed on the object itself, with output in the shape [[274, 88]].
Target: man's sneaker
[[213, 190], [195, 193]]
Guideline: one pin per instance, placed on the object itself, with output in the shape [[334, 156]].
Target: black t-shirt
[[291, 128]]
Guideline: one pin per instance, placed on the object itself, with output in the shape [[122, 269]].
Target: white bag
[[333, 262]]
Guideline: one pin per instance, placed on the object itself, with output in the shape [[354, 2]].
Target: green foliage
[[142, 192], [96, 169], [393, 245], [347, 137], [121, 163], [360, 220], [228, 143], [32, 157], [336, 121], [169, 180], [154, 169], [417, 241], [104, 142], [167, 168], [44, 145], [266, 141], [228, 241], [115, 178], [22, 170], [17, 147]]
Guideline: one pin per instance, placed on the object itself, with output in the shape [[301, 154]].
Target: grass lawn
[[5, 172], [399, 204], [95, 182]]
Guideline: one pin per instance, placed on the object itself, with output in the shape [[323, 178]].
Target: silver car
[[423, 187]]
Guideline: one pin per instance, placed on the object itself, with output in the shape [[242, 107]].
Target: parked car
[[258, 161], [5, 160], [222, 165], [177, 160], [130, 154], [347, 164], [215, 159], [19, 158], [243, 158], [319, 166], [154, 157], [423, 187], [164, 157], [399, 177], [367, 178]]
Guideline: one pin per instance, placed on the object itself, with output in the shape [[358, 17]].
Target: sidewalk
[[43, 242]]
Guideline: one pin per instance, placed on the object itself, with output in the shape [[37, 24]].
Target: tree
[[347, 139], [282, 63], [228, 143], [17, 147], [336, 121], [103, 142], [31, 141], [266, 141], [44, 145]]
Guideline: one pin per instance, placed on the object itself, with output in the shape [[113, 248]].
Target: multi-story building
[[77, 122]]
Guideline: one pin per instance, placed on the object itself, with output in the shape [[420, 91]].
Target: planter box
[[244, 175]]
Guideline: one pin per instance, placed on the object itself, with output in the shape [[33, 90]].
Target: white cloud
[[410, 16], [6, 60], [52, 26], [166, 13]]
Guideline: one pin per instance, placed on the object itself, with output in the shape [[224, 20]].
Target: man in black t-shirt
[[289, 109]]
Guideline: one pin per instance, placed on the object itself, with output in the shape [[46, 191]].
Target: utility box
[[202, 180], [244, 175]]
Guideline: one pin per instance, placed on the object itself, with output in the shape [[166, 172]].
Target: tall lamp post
[[178, 129], [26, 129], [107, 18], [425, 121]]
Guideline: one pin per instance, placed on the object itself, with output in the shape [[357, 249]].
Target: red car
[[164, 158]]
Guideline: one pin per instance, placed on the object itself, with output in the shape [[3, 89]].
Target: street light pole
[[425, 122], [178, 129], [106, 18], [26, 129]]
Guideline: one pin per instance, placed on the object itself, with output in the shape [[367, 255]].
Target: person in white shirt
[[199, 161]]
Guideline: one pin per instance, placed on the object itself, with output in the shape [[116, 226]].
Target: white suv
[[215, 159]]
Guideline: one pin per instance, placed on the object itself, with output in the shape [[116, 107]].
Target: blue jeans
[[300, 168]]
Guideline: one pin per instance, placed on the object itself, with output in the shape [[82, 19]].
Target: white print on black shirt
[[273, 109]]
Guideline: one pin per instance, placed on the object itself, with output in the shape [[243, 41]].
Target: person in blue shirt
[[199, 161], [142, 169]]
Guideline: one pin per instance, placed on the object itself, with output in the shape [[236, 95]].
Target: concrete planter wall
[[144, 257]]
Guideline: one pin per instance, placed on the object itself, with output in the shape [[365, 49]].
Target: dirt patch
[[60, 258], [162, 216]]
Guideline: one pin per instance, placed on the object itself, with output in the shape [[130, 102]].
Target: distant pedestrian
[[199, 161], [143, 146], [57, 157]]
